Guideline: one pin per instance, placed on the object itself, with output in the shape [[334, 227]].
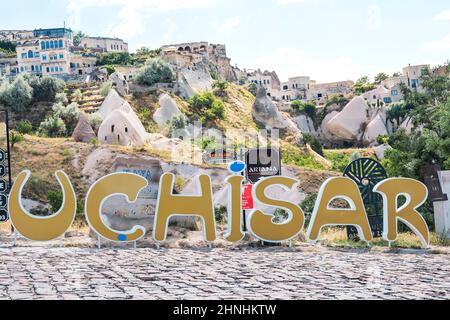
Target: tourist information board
[[5, 165]]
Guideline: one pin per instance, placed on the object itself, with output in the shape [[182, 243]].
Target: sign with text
[[5, 165], [247, 197], [262, 163]]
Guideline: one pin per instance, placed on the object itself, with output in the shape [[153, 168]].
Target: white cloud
[[171, 27], [285, 2], [229, 25], [444, 15], [132, 14], [374, 17], [290, 62], [439, 45]]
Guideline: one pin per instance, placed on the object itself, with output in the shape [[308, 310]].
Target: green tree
[[53, 127], [209, 106], [69, 115], [46, 88], [307, 108], [363, 85], [77, 37], [24, 127], [155, 71], [380, 78], [220, 87], [115, 58], [18, 96]]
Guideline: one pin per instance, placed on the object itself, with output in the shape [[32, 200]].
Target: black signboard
[[5, 165], [262, 163], [431, 178]]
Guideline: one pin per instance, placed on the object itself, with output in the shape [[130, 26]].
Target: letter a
[[42, 228], [416, 193], [172, 205], [324, 215]]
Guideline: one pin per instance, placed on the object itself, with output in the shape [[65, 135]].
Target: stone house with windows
[[48, 53], [389, 91], [104, 44]]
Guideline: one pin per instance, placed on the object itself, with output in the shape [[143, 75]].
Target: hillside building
[[104, 44]]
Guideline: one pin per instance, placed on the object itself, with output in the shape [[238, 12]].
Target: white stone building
[[389, 91], [104, 44], [48, 53]]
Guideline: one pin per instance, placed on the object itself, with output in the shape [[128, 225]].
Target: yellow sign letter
[[171, 205], [416, 193], [42, 228], [235, 233], [261, 225], [324, 215], [126, 184]]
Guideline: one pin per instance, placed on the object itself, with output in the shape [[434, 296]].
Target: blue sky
[[328, 40]]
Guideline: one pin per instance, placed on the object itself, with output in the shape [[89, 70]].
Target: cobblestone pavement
[[77, 273]]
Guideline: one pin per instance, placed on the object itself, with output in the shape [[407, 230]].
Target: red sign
[[247, 197]]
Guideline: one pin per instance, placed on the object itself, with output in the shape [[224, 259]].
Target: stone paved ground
[[301, 273]]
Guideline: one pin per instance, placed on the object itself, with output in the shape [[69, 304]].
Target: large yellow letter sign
[[261, 225], [42, 228], [171, 205], [324, 215], [127, 184], [416, 193], [234, 233]]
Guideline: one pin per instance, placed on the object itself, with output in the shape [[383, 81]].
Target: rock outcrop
[[191, 82], [305, 124], [375, 128], [348, 124], [167, 111], [266, 114], [83, 131], [112, 102]]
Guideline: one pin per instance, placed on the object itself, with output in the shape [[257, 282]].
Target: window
[[52, 45], [44, 57], [56, 57], [112, 128], [47, 45], [32, 68], [48, 69], [42, 45], [21, 69], [37, 54], [61, 55], [394, 93], [56, 44], [387, 100], [61, 69], [24, 55], [61, 44], [53, 70], [126, 130]]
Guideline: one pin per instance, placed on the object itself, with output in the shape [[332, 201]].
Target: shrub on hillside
[[46, 88], [155, 71], [306, 108], [61, 98], [69, 115], [208, 106], [18, 95], [52, 127], [106, 88], [77, 95], [115, 58], [315, 144], [24, 127]]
